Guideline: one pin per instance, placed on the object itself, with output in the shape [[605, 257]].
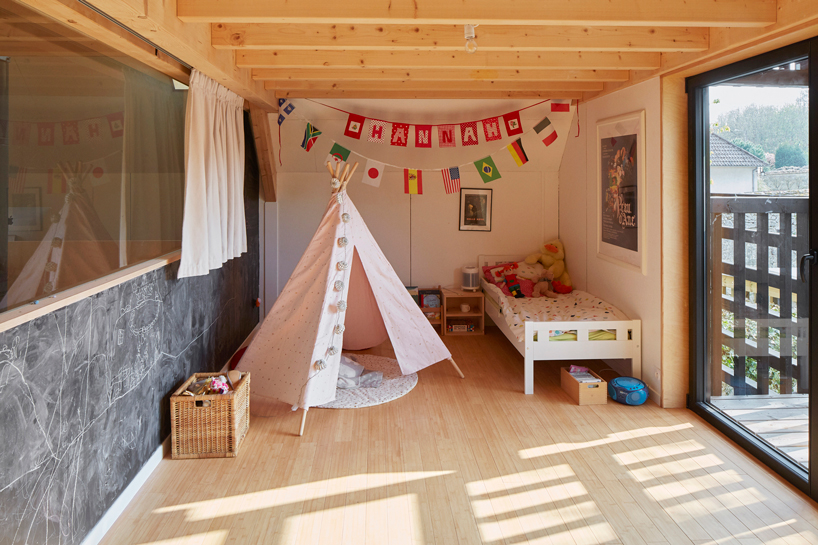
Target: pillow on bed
[[496, 273]]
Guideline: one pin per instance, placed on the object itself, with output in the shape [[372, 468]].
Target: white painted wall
[[733, 179], [639, 296], [419, 234]]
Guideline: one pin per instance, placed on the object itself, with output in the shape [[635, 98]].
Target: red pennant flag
[[355, 126], [423, 136], [445, 136], [116, 122], [400, 134], [376, 130], [468, 133], [45, 134], [20, 132], [93, 129], [560, 107], [513, 125], [70, 132], [491, 129]]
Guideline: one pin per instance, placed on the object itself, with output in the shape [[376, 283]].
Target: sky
[[733, 97]]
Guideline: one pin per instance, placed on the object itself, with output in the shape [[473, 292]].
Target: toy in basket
[[209, 426]]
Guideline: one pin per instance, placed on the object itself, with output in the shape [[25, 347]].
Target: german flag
[[517, 152]]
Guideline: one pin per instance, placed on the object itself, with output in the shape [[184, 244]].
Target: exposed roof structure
[[725, 154]]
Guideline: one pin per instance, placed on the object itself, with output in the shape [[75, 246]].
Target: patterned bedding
[[577, 306]]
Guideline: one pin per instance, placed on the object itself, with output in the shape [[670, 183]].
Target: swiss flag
[[355, 126]]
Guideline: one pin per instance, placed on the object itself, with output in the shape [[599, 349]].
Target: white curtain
[[213, 230]]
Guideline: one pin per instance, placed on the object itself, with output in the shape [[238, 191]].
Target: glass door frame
[[699, 250]]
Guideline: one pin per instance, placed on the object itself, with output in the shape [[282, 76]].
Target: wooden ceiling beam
[[393, 85], [567, 60], [438, 94], [703, 13], [156, 20], [376, 74], [450, 37]]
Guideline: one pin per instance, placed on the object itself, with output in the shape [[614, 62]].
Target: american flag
[[17, 179], [451, 180]]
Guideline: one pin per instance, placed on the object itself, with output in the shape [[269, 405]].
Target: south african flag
[[311, 134]]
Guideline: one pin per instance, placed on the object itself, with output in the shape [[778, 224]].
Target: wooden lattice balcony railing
[[759, 320]]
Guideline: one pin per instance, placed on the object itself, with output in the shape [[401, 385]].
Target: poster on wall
[[475, 209], [621, 181]]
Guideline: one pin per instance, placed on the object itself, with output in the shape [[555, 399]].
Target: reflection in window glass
[[91, 152]]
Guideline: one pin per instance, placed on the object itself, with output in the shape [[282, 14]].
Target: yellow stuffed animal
[[553, 259]]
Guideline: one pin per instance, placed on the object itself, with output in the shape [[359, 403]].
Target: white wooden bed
[[628, 343]]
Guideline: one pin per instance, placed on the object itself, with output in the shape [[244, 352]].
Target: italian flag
[[412, 181], [546, 127]]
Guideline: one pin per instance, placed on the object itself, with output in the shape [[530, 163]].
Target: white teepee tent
[[296, 354]]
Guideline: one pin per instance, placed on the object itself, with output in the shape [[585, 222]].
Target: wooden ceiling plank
[[439, 94], [450, 37], [188, 42], [568, 60], [703, 13], [393, 85], [375, 74]]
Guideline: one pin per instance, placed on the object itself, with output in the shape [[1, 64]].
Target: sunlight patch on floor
[[557, 448], [268, 499], [216, 537]]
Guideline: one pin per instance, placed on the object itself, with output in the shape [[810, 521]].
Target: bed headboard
[[483, 260]]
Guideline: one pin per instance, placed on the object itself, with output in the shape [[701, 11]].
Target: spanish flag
[[517, 152], [412, 181]]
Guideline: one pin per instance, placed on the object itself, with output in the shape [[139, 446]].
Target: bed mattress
[[577, 306]]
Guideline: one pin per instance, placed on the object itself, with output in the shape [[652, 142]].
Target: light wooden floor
[[780, 420], [474, 461]]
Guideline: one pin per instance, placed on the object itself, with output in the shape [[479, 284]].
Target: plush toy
[[559, 287], [553, 259], [513, 286], [543, 287]]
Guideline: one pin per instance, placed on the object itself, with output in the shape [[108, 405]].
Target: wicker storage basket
[[209, 426]]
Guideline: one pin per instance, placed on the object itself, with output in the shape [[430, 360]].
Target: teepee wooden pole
[[303, 421], [456, 368], [329, 167]]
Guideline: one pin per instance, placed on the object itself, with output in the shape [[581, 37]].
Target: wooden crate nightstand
[[458, 322]]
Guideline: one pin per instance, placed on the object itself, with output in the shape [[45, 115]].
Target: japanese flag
[[373, 173]]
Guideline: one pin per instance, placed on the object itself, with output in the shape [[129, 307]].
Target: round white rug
[[394, 385]]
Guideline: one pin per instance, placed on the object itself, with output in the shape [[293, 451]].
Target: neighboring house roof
[[725, 154]]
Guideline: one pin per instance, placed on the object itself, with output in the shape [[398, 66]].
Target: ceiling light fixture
[[471, 43]]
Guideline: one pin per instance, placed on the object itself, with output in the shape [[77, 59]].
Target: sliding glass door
[[752, 254]]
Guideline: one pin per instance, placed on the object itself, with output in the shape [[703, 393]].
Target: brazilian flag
[[487, 169]]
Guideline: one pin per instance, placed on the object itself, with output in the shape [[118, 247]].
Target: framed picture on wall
[[621, 226], [475, 209], [25, 210]]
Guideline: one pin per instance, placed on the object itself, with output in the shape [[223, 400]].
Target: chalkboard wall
[[84, 390]]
